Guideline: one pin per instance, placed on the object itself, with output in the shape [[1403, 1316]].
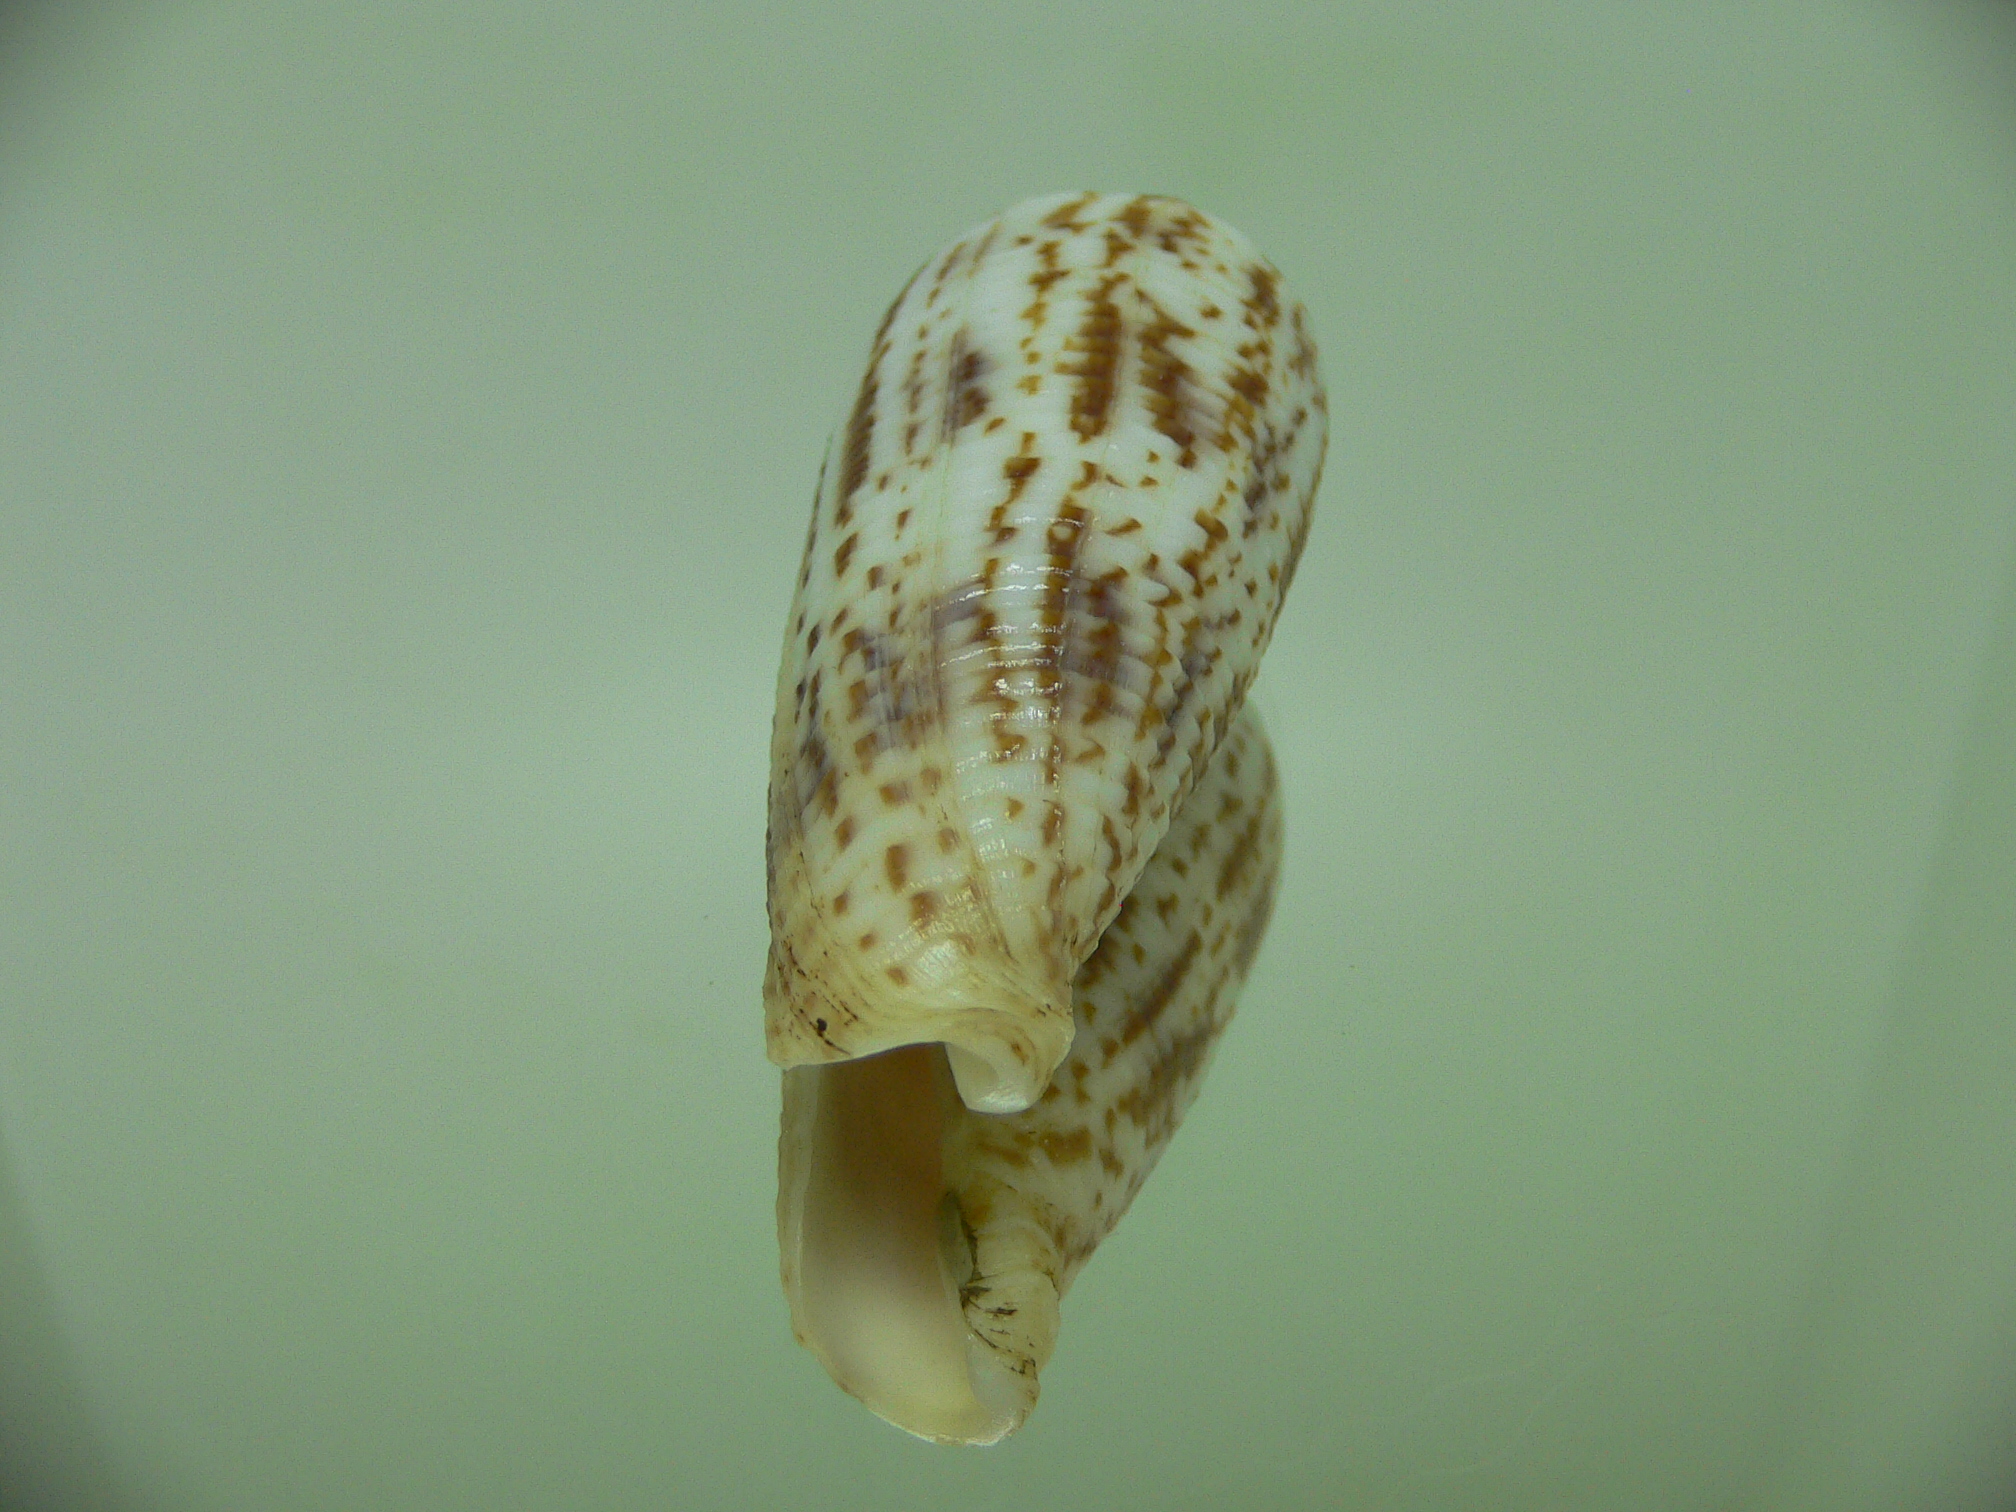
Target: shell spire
[[1047, 551]]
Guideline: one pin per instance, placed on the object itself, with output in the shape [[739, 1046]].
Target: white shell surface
[[1047, 551]]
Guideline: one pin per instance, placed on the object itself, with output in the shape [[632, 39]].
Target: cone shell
[[1047, 552]]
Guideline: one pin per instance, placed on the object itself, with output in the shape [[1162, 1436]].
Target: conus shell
[[1047, 551]]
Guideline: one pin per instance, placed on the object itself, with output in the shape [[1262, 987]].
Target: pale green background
[[408, 415]]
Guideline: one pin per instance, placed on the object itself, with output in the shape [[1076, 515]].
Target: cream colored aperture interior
[[880, 1250]]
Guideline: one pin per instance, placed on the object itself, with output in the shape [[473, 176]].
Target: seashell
[[1023, 836]]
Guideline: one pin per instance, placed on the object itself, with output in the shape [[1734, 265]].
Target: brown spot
[[1019, 468], [844, 553], [860, 431], [1259, 482], [1252, 927], [948, 839], [1142, 1016], [867, 941], [945, 268], [1065, 216], [1151, 1103], [1239, 856], [1263, 302], [896, 863], [1250, 384], [899, 976], [1097, 651], [818, 778], [840, 902], [1064, 538], [843, 832], [1041, 280], [1096, 345], [1302, 361], [965, 399], [894, 793], [1066, 1149], [923, 907], [1136, 790], [1108, 900], [1168, 379]]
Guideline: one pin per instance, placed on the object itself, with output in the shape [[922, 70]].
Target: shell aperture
[[1023, 836]]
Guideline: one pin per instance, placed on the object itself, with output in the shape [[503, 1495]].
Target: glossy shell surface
[[1047, 551], [1024, 836]]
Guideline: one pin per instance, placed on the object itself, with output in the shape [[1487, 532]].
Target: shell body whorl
[[1047, 551], [1023, 834]]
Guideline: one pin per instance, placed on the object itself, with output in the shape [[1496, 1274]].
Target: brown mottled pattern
[[1017, 805], [1094, 362], [1051, 541], [1150, 1006]]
